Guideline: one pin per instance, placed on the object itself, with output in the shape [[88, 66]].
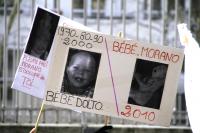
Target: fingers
[[32, 131]]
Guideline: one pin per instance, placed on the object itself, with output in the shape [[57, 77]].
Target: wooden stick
[[106, 120], [120, 34], [39, 115]]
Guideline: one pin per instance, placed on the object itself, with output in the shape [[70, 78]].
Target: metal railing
[[142, 23]]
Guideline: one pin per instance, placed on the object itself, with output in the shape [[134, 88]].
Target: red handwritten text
[[28, 72], [137, 113], [124, 47], [27, 81], [43, 63], [31, 66], [158, 54], [30, 59]]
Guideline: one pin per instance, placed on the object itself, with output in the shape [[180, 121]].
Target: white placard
[[32, 71], [192, 72], [101, 74]]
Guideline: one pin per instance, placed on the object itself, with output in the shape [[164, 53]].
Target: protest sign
[[192, 72], [111, 76], [33, 67]]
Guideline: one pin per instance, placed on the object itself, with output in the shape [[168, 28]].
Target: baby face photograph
[[42, 34], [80, 73], [147, 83]]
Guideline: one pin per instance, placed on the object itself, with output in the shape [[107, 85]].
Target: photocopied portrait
[[42, 34], [80, 73], [147, 83]]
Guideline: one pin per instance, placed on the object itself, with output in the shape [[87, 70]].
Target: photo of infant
[[147, 84], [80, 73], [42, 34]]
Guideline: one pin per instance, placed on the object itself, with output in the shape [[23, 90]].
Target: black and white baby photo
[[147, 83], [81, 73], [42, 34]]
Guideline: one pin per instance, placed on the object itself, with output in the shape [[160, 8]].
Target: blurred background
[[149, 21]]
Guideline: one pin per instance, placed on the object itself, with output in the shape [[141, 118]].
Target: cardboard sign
[[32, 71], [105, 75], [192, 71]]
